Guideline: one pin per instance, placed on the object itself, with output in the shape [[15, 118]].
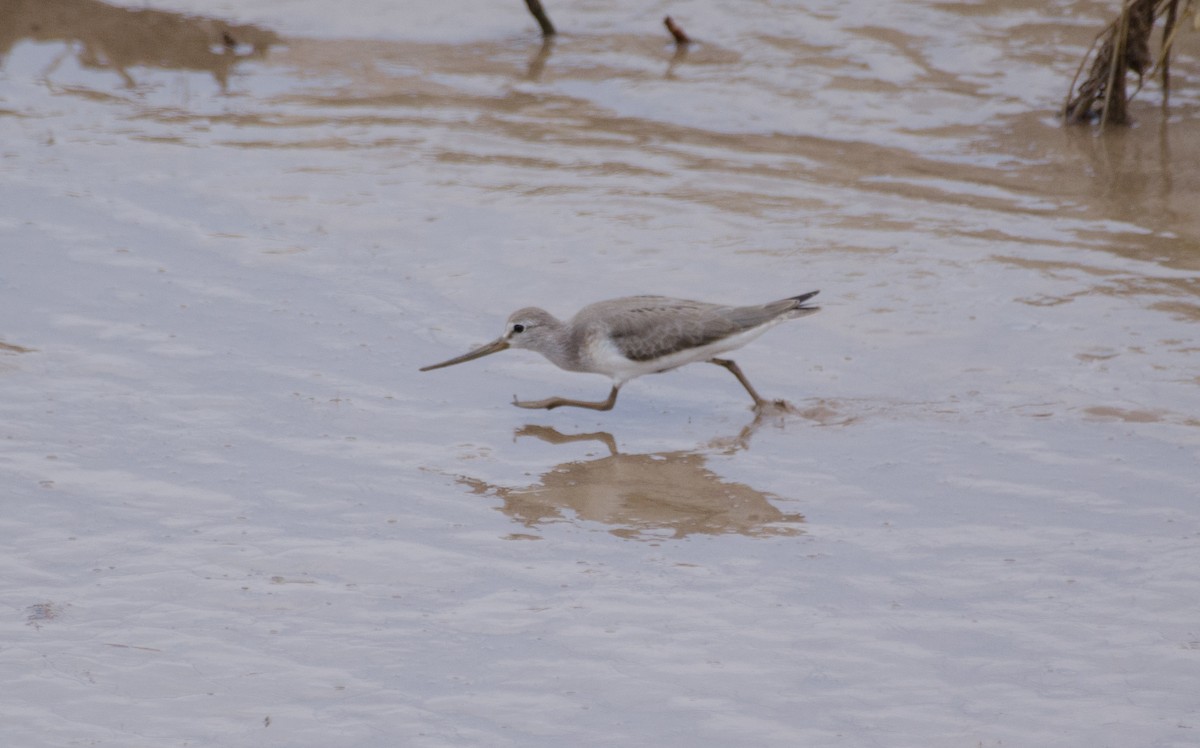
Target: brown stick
[[535, 7], [680, 37]]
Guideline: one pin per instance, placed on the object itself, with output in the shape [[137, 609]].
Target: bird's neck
[[560, 351]]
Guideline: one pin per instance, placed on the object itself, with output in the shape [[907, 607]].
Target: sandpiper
[[635, 335]]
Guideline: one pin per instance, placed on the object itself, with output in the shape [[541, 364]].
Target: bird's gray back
[[644, 328]]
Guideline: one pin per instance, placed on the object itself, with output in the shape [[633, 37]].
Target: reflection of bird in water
[[628, 337], [641, 495]]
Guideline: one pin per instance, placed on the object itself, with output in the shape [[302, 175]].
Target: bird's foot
[[775, 408], [549, 403]]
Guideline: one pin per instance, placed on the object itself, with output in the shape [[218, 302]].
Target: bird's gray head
[[531, 328]]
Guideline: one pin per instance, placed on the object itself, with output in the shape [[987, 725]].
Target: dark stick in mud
[[535, 7], [681, 38]]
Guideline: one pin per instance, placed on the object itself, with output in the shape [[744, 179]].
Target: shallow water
[[237, 512]]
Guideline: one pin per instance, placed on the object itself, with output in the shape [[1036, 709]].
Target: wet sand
[[238, 514]]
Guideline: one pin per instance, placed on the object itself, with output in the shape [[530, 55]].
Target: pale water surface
[[236, 514]]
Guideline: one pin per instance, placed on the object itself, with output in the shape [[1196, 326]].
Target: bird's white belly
[[605, 358]]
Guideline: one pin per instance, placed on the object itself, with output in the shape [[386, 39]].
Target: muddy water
[[230, 234]]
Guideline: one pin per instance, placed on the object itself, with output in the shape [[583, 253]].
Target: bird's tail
[[749, 317], [800, 309]]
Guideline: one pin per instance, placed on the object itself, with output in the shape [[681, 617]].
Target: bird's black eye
[[518, 328]]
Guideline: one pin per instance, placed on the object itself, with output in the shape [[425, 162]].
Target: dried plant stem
[[1115, 80], [1164, 51], [1124, 46]]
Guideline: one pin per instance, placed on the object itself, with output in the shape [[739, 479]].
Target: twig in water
[[535, 7], [677, 32]]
